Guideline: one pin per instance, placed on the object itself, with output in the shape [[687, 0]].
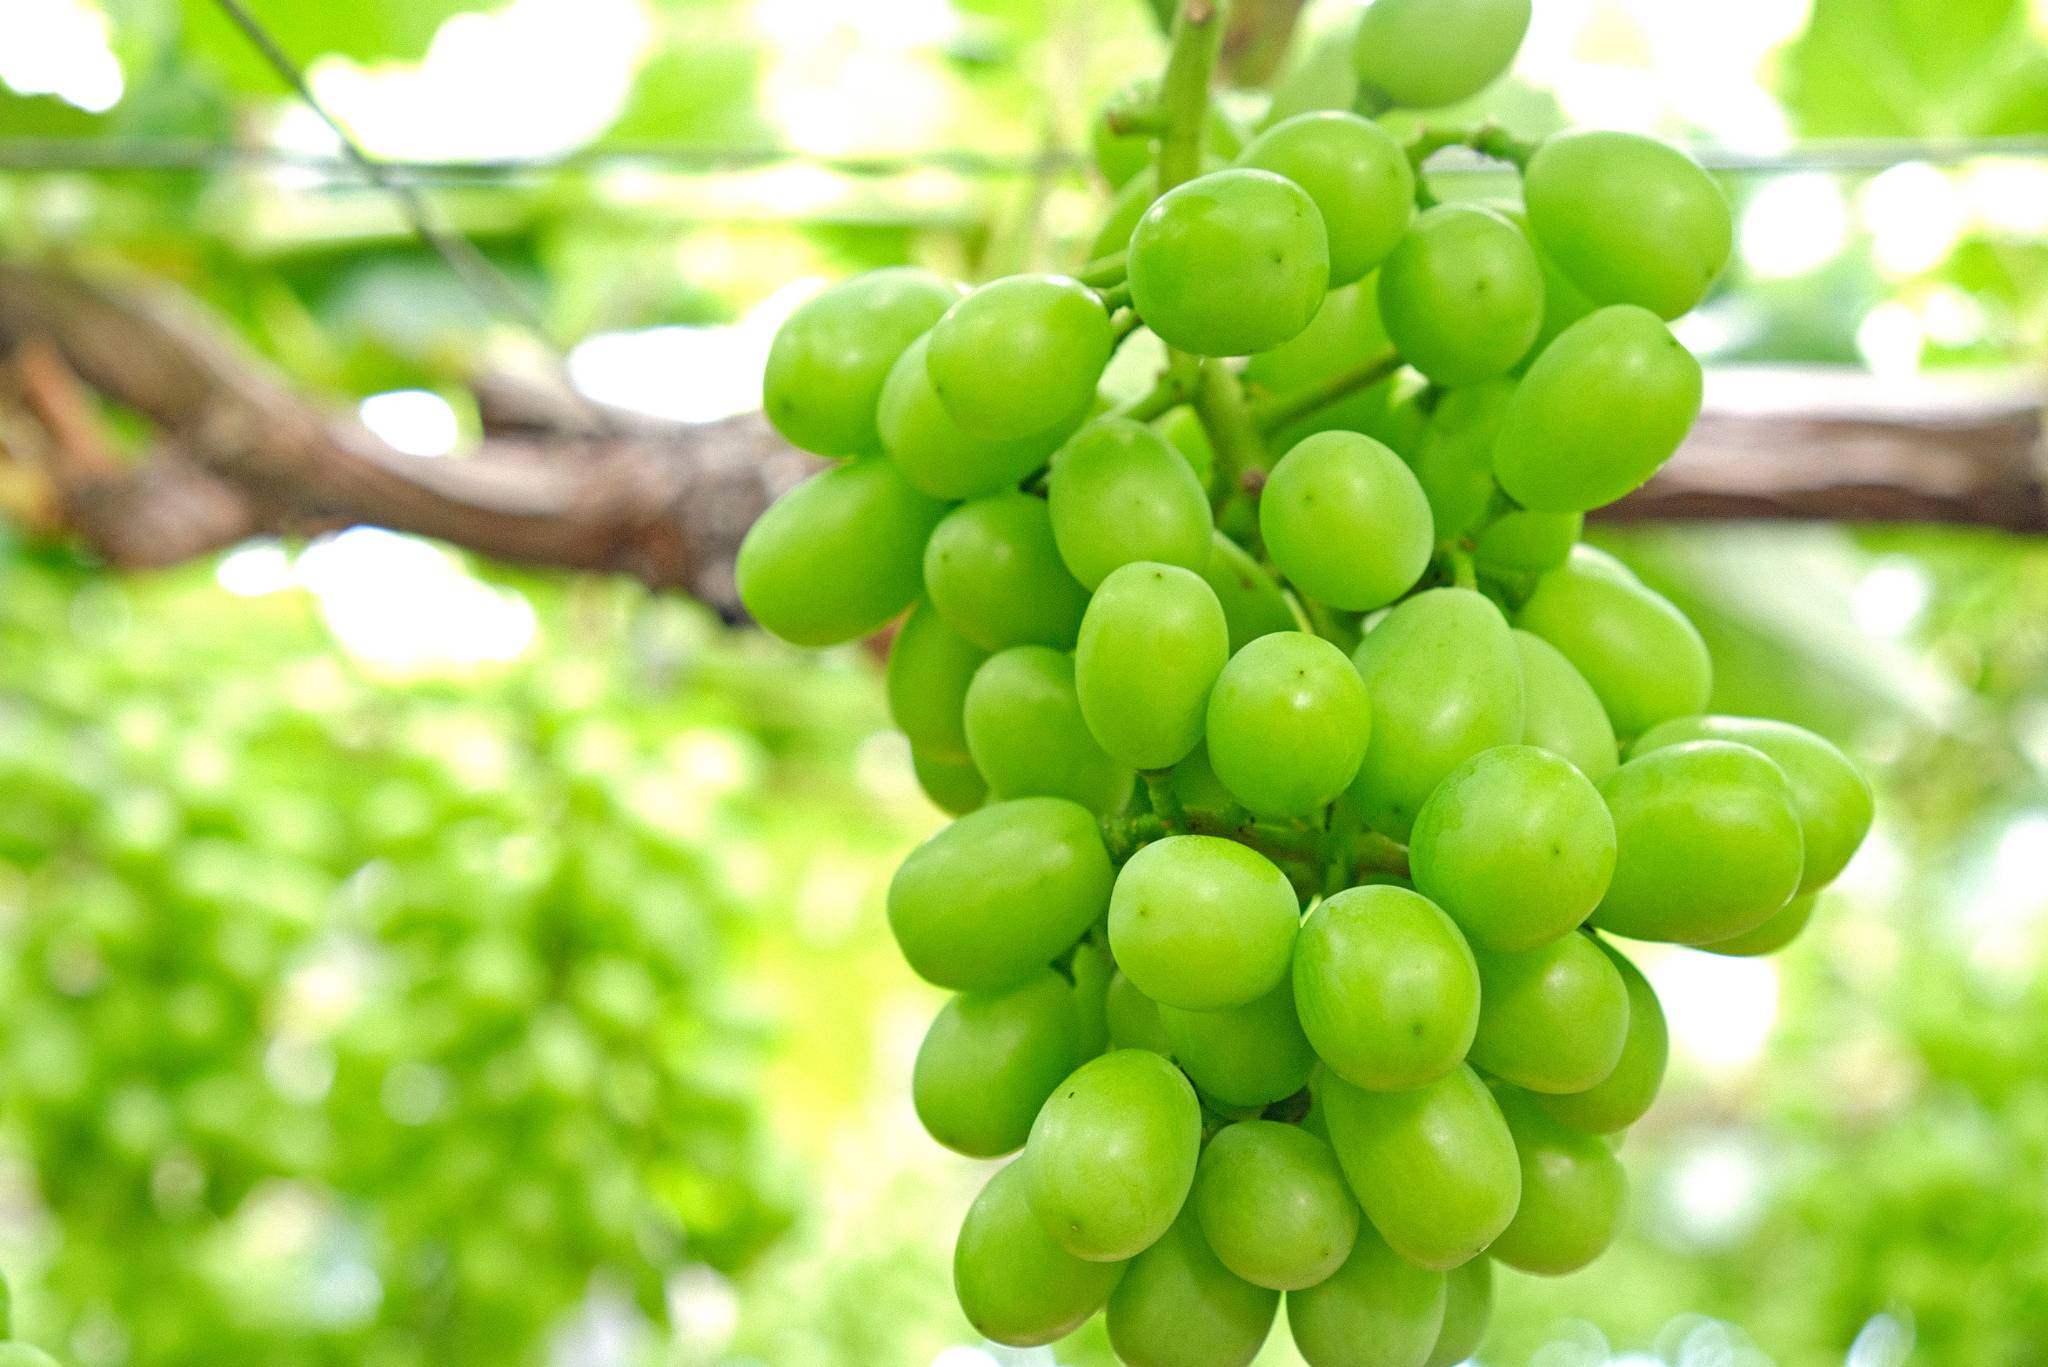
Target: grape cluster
[[1306, 628]]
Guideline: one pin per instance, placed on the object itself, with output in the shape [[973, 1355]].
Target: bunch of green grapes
[[1307, 768]]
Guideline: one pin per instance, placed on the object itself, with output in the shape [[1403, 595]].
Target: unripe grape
[[1134, 1018], [1516, 845], [1563, 302], [1345, 521], [1631, 220], [1600, 410], [1112, 1154], [828, 361], [1250, 1055], [1377, 1310], [930, 666], [1288, 723], [1015, 1284], [1644, 660], [942, 458], [1434, 1167], [1462, 296], [1202, 923], [1118, 494], [1524, 542], [1454, 464], [1345, 331], [1773, 935], [1273, 1205], [994, 573], [1179, 1306], [1425, 54], [1024, 729], [1229, 263], [1623, 1097], [1019, 355], [989, 1062], [1561, 713], [1356, 173], [1386, 987], [1152, 643], [1573, 1191], [1126, 207], [955, 789], [837, 556], [998, 894], [1468, 1309], [1253, 605], [1091, 969], [1709, 843], [1551, 1019]]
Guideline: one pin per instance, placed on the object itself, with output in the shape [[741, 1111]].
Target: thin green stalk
[[1184, 90], [1166, 803], [1276, 412], [1174, 387], [1227, 419]]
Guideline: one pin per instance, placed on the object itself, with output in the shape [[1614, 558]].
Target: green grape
[[1112, 1154], [1376, 1310], [1000, 893], [1563, 302], [1454, 463], [1119, 494], [1562, 714], [1200, 922], [1250, 1055], [1551, 1019], [1573, 1191], [1288, 723], [1183, 431], [1092, 969], [1462, 296], [955, 789], [1179, 1306], [1196, 785], [1016, 1285], [1468, 1307], [1523, 542], [930, 666], [1025, 732], [1126, 207], [1445, 684], [1516, 845], [1273, 1205], [1229, 263], [1356, 173], [1832, 797], [1152, 643], [1645, 662], [991, 1059], [1629, 219], [1425, 54], [1624, 1096], [1773, 935], [942, 458], [1404, 417], [1386, 987], [1709, 843], [1434, 1167], [994, 573], [1599, 411], [1134, 1018], [837, 556], [1053, 338], [1344, 333], [1253, 605], [828, 361], [1345, 521]]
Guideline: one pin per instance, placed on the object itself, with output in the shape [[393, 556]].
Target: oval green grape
[[1253, 605], [1152, 643], [930, 667], [1229, 263], [989, 1062], [1134, 1018], [1288, 724], [1250, 1055], [943, 459], [956, 789], [1573, 1191], [1345, 332], [1522, 541], [994, 573], [1454, 463], [1624, 1096], [1112, 1154], [1018, 355], [1561, 712], [1345, 521], [1386, 987], [1015, 1284], [1785, 926], [1091, 969], [1356, 173], [1200, 922], [1179, 1306], [1462, 296], [1425, 54], [1376, 1310], [1644, 660], [1551, 1019], [1468, 1311], [1023, 727], [1273, 1205], [1118, 494], [828, 362]]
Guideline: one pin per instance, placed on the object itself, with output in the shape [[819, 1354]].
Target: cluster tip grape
[[1308, 769]]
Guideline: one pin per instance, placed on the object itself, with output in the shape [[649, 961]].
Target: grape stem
[[1271, 414], [1115, 296], [1314, 857], [1487, 139], [1227, 419], [1174, 387], [1166, 803], [1184, 89]]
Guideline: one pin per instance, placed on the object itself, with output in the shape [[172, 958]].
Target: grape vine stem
[[1196, 42], [1271, 414]]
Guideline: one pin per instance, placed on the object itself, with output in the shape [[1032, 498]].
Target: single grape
[[1386, 987], [1445, 683], [1182, 429], [940, 457], [1462, 296], [1646, 663], [1018, 355], [1709, 843], [1250, 1055], [1376, 1310], [828, 361], [1345, 521], [1356, 173], [1152, 643], [1404, 417], [991, 1059], [1201, 923], [1516, 845], [1273, 1205], [1468, 1309], [930, 666], [1118, 493], [1134, 1018], [1288, 723], [1024, 729], [1782, 929], [955, 789], [1454, 464], [1196, 785], [1425, 54], [1229, 263], [1253, 605], [1179, 1306], [1016, 1285], [1624, 1096], [1524, 542], [994, 573], [998, 894], [1831, 795], [1600, 410], [837, 556], [1434, 1167], [1092, 969], [1345, 332], [1573, 1191], [1561, 712], [1629, 219], [1551, 1019], [1112, 1154]]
